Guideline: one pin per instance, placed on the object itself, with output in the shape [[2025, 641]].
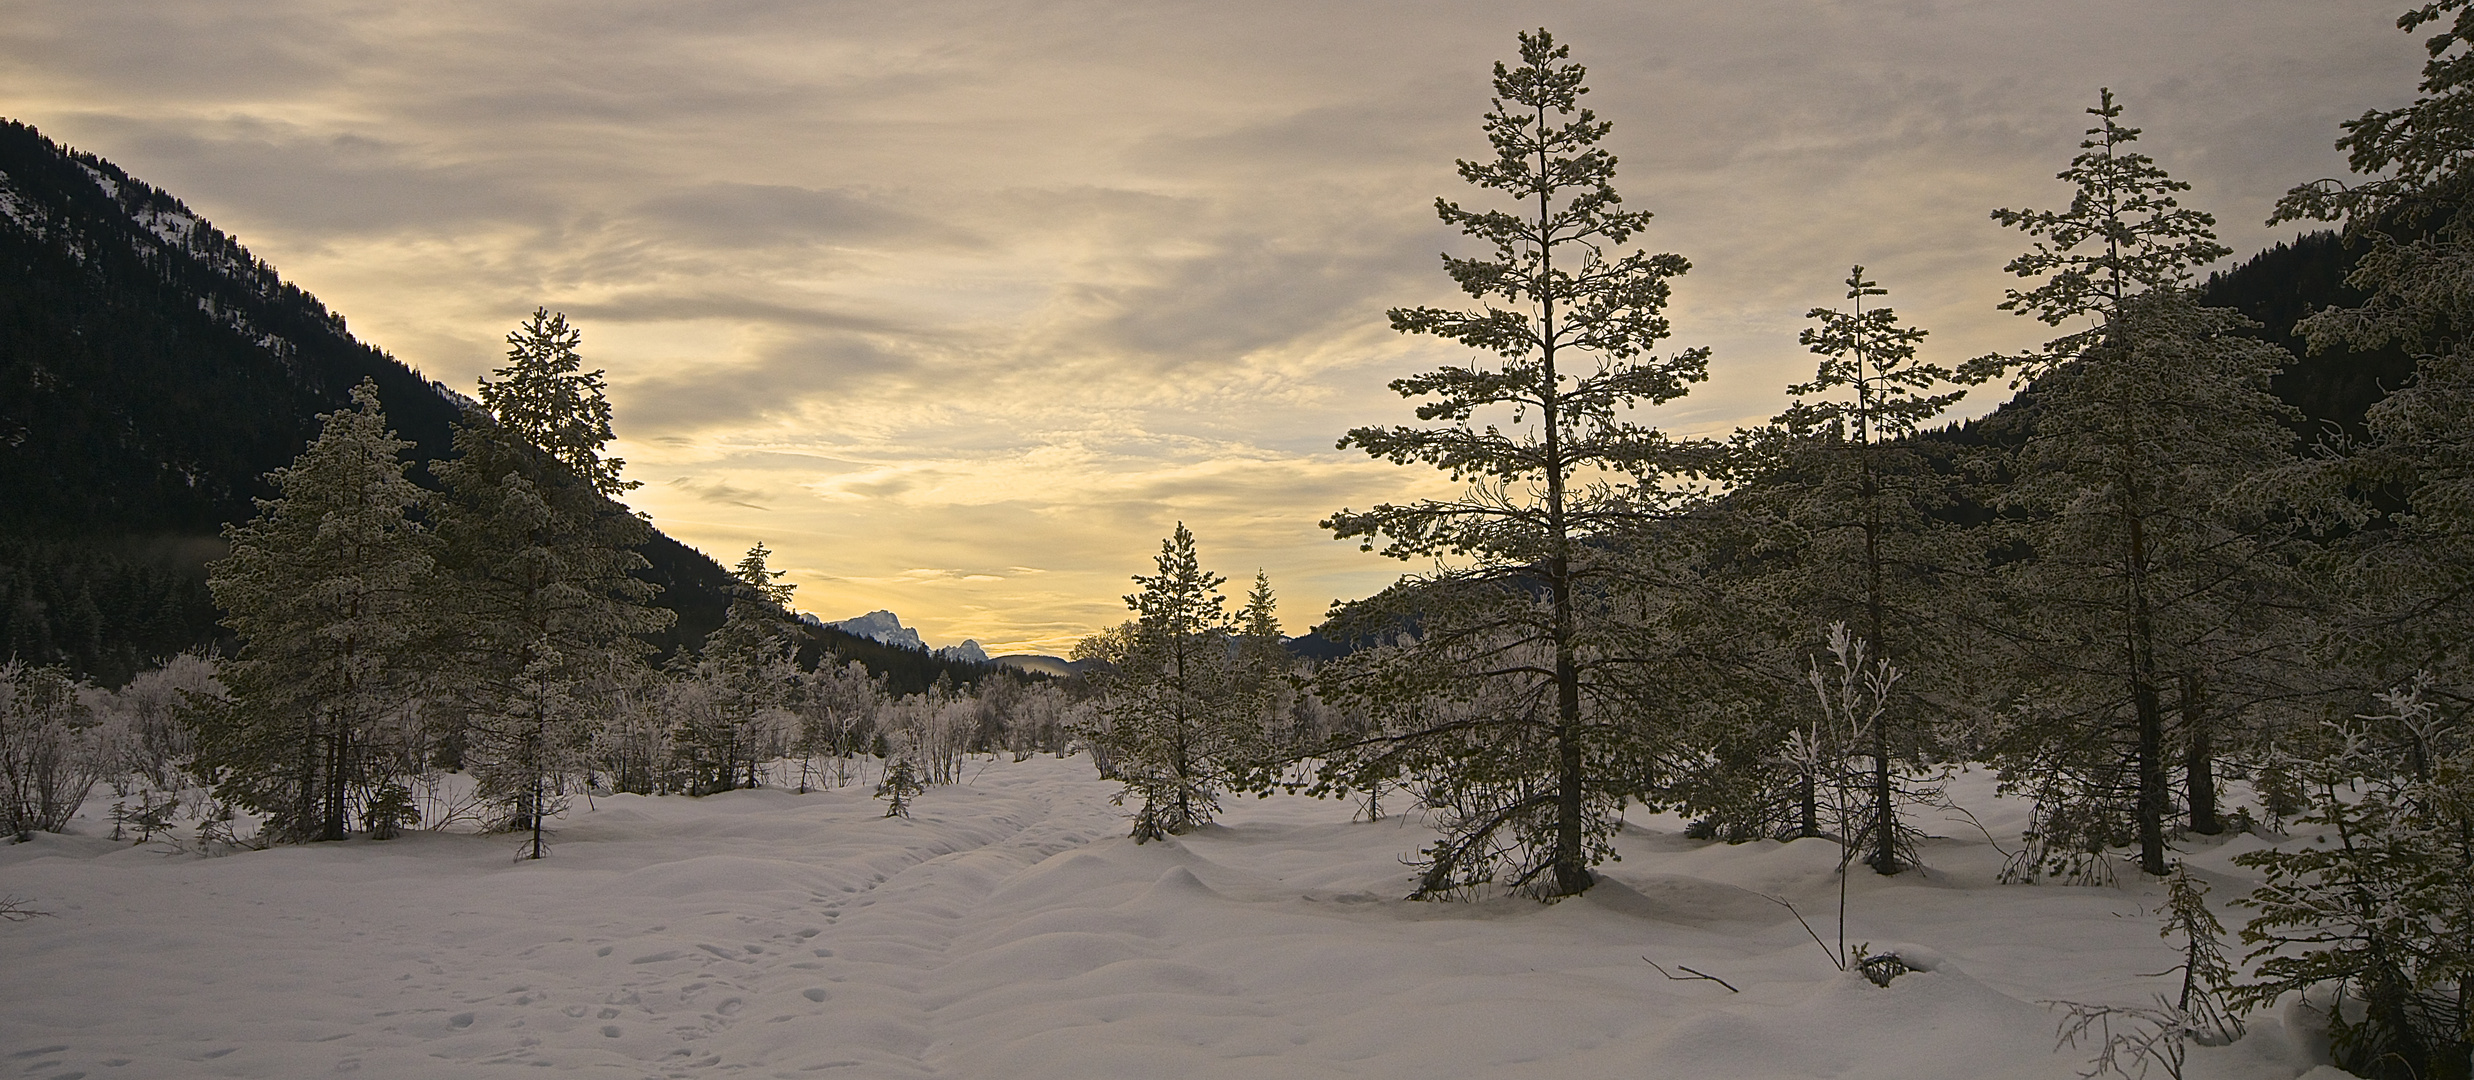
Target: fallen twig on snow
[[1693, 976]]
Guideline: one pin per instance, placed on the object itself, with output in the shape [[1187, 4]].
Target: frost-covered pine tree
[[545, 397], [2135, 490], [2378, 902], [2408, 579], [1183, 719], [1834, 511], [329, 590], [1520, 645], [749, 665], [544, 613]]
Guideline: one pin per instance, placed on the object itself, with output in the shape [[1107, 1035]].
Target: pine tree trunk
[[540, 755], [305, 805], [2149, 711], [1572, 874], [1884, 797], [338, 759], [2201, 766]]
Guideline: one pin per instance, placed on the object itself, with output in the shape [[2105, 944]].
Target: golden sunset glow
[[961, 307]]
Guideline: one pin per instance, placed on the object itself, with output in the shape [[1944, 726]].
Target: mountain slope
[[152, 372]]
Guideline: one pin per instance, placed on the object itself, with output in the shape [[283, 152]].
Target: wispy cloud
[[924, 294]]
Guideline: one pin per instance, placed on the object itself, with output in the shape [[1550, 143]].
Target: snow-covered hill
[[1010, 930]]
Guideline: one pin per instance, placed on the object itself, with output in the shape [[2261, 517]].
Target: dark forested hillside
[[2281, 285], [152, 372], [2276, 288]]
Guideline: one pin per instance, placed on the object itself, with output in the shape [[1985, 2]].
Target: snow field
[[1009, 930]]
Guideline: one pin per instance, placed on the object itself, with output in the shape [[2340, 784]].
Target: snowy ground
[[1010, 931]]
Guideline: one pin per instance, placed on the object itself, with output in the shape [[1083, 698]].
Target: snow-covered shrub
[[1026, 718], [50, 749], [2379, 902], [727, 718], [632, 746], [839, 710], [2130, 1040], [143, 722]]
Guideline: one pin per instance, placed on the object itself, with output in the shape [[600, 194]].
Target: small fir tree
[[1839, 512], [902, 781], [1183, 719], [1264, 662], [2207, 976], [750, 665], [2131, 1039]]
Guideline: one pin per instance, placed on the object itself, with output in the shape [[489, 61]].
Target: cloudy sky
[[960, 307]]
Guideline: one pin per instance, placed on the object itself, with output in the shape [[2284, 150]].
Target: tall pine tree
[[2131, 491], [1846, 529], [544, 613], [1558, 477]]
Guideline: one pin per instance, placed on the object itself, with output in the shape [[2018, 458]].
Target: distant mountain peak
[[884, 626]]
